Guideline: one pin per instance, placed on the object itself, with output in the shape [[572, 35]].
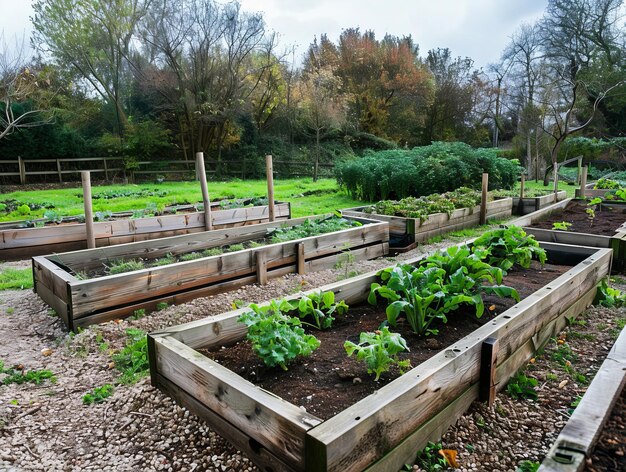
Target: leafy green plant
[[379, 350], [98, 395], [506, 247], [138, 314], [161, 306], [102, 215], [591, 209], [132, 360], [521, 386], [608, 296], [234, 247], [311, 228], [528, 466], [430, 459], [52, 216], [18, 375], [561, 225], [606, 184], [276, 337], [23, 210], [168, 259], [121, 266], [320, 307]]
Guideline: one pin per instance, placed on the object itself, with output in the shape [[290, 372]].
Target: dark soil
[[606, 221], [327, 382], [610, 452]]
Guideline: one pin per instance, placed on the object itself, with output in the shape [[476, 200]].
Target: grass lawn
[[325, 196], [16, 279], [306, 197]]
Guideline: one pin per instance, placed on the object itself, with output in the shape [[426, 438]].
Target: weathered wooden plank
[[243, 442], [277, 425], [27, 242], [432, 430], [583, 429], [401, 406], [531, 218], [570, 237], [488, 359]]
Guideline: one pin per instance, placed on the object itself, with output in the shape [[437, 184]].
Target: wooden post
[[583, 182], [301, 259], [106, 169], [59, 171], [488, 358], [483, 200], [86, 179], [269, 171], [556, 182], [580, 168], [201, 175], [521, 186], [22, 169], [261, 268]]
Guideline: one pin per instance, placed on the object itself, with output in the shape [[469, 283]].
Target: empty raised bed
[[529, 204], [19, 243], [568, 222], [415, 220], [96, 285], [383, 430]]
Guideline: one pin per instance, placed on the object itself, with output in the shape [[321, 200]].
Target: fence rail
[[14, 170]]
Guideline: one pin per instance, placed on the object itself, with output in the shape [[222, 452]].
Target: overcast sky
[[476, 28]]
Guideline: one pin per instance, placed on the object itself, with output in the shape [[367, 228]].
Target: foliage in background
[[609, 296], [438, 168]]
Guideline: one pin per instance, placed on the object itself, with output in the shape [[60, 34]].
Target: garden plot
[[381, 431], [96, 285], [583, 223], [60, 235], [415, 220], [533, 200]]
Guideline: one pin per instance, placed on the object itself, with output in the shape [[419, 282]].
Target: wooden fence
[[31, 170]]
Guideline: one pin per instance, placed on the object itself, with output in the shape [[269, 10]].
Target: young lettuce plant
[[506, 247], [379, 351], [591, 209], [320, 307], [276, 337]]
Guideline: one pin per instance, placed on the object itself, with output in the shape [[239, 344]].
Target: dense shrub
[[438, 168]]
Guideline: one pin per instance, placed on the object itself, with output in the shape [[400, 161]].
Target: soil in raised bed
[[328, 381], [606, 221], [610, 452]]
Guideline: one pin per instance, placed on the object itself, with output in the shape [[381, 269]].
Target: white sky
[[476, 28]]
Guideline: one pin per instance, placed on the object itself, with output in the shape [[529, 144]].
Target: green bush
[[438, 168]]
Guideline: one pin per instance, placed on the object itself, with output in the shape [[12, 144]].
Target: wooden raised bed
[[617, 241], [575, 442], [84, 302], [406, 231], [526, 205], [383, 431], [27, 242]]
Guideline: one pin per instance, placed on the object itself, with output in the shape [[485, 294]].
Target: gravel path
[[46, 427]]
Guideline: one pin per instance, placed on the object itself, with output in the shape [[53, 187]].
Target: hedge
[[440, 167]]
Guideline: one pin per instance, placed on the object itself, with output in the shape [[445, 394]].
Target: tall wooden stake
[[86, 179], [483, 200], [488, 360], [583, 182], [521, 186], [201, 175], [269, 170], [556, 182]]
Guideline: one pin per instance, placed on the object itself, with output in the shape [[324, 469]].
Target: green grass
[[16, 279], [532, 185], [328, 197]]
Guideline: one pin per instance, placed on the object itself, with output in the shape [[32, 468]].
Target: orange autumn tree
[[385, 83]]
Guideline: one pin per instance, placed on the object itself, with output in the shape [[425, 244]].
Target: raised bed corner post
[[85, 176], [483, 200], [583, 182], [22, 169], [488, 361], [261, 268], [201, 175], [269, 171]]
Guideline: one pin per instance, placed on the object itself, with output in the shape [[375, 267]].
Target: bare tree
[[16, 85]]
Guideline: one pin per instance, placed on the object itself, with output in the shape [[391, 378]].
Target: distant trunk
[[317, 154]]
